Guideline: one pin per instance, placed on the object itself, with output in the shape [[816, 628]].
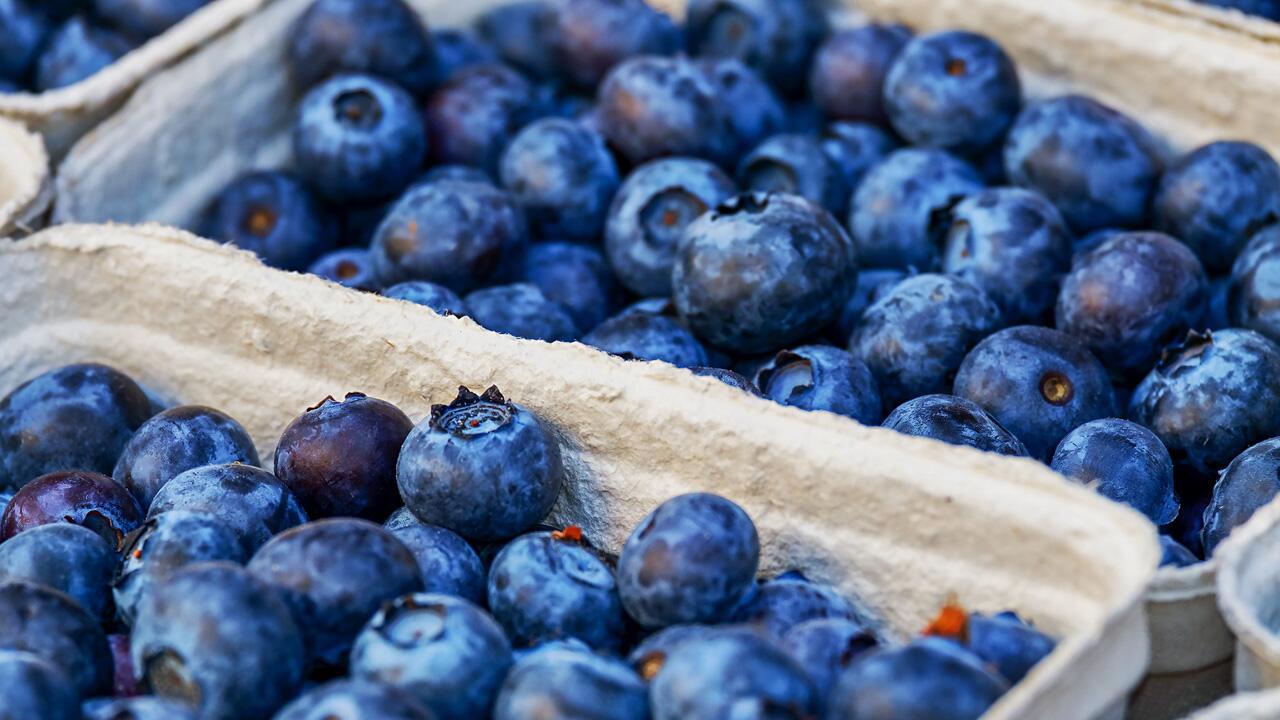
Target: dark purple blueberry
[[782, 603], [26, 29], [32, 687], [731, 672], [587, 38], [386, 38], [914, 337], [855, 148], [165, 543], [482, 466], [821, 377], [65, 557], [52, 626], [757, 113], [471, 119], [124, 680], [456, 50], [1081, 248], [439, 298], [825, 647], [78, 417], [449, 565], [339, 457], [650, 213], [802, 263], [522, 310], [1123, 461], [216, 638], [642, 336], [927, 678], [728, 377], [1014, 245], [776, 37], [275, 216], [444, 651], [563, 176], [252, 502], [897, 210], [1251, 481], [462, 235], [1175, 554], [1008, 643], [795, 165], [847, 78], [76, 51], [349, 267], [178, 440], [654, 107], [358, 138], [956, 421], [954, 90], [1098, 166], [354, 700], [691, 560], [334, 574], [1253, 292], [567, 683], [1039, 383], [1131, 296], [519, 32], [1216, 197], [576, 276], [81, 498]]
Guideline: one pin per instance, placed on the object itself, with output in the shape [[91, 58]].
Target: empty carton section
[[25, 183], [1247, 578]]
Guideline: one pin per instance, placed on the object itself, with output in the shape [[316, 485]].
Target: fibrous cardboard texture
[[1248, 576], [26, 185], [899, 523], [63, 115]]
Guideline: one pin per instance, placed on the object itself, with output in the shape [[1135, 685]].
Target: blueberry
[[587, 38], [914, 337], [1253, 292], [653, 107], [165, 543], [731, 672], [519, 31], [82, 498], [900, 203], [357, 138], [927, 678], [459, 234], [25, 31], [691, 560], [65, 557], [1216, 197], [1084, 245], [871, 285], [349, 267], [1175, 554], [354, 700], [334, 574], [1268, 9], [641, 336], [449, 566], [820, 377], [439, 298], [386, 38], [140, 708], [855, 148], [1131, 296], [273, 215], [776, 37], [795, 165], [214, 637], [32, 687], [178, 440], [650, 212], [1008, 643], [78, 416], [252, 502], [571, 684], [1098, 166], [483, 467], [575, 276], [757, 113], [824, 647], [648, 657], [802, 267], [471, 119], [444, 651], [339, 457], [124, 681], [146, 18], [1251, 481], [563, 176], [76, 51], [728, 377], [462, 173], [782, 603], [457, 50], [523, 311], [1039, 383], [848, 74], [952, 90], [1123, 461], [52, 626], [954, 420], [1013, 244]]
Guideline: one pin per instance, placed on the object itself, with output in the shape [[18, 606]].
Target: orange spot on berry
[[651, 665], [137, 554], [952, 622], [572, 533]]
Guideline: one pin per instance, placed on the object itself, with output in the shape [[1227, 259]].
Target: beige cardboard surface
[[26, 184], [1248, 576]]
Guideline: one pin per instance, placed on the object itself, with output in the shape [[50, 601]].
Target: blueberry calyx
[[470, 414], [358, 109], [786, 377], [260, 220], [651, 664], [167, 674], [1056, 388], [752, 203], [388, 621], [1182, 351], [102, 526]]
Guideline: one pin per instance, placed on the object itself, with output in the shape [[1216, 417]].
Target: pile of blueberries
[[191, 583], [859, 221], [49, 44], [1269, 9]]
